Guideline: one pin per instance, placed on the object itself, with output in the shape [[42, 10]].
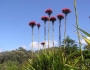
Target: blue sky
[[16, 14]]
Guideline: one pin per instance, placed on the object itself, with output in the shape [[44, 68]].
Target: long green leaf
[[86, 40], [86, 33]]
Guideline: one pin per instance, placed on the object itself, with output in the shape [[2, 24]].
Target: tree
[[71, 46], [86, 47]]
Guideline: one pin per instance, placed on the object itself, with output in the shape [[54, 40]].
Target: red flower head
[[43, 43], [45, 18], [38, 25], [52, 19], [48, 11], [60, 16], [66, 11], [89, 16], [32, 24]]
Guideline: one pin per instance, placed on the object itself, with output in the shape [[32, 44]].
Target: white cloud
[[35, 44], [83, 42], [1, 50]]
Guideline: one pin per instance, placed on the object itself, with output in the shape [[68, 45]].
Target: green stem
[[32, 42], [53, 34], [59, 34], [45, 35], [38, 40], [76, 15], [48, 30], [65, 33]]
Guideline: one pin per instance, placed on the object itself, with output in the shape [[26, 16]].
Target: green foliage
[[50, 61], [61, 59], [57, 59], [19, 55], [86, 47], [86, 33], [14, 60], [9, 65], [71, 45]]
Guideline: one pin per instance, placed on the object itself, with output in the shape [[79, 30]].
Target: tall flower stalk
[[45, 18], [49, 12], [60, 17], [38, 25], [43, 43], [76, 15], [53, 19], [66, 11], [32, 24]]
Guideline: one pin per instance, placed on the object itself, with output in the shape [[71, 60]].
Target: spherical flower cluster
[[52, 19], [66, 11], [32, 24], [38, 25], [43, 43], [60, 16], [48, 11], [45, 18]]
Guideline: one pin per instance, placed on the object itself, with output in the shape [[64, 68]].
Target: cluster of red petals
[[60, 16], [48, 11], [52, 19], [43, 43], [38, 25], [45, 18], [66, 11], [32, 23]]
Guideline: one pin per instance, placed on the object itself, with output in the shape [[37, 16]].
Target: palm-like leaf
[[86, 33], [57, 61]]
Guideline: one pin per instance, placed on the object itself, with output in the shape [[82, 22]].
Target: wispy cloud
[[35, 44]]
